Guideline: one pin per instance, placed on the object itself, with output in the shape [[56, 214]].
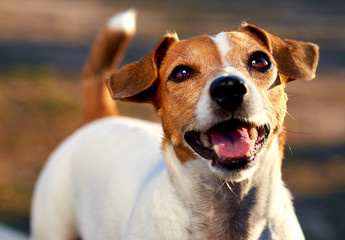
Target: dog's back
[[73, 176]]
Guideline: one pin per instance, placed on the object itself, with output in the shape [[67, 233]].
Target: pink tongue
[[232, 145]]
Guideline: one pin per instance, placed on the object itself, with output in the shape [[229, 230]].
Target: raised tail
[[106, 55]]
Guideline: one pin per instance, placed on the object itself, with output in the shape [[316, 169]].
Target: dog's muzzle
[[233, 143]]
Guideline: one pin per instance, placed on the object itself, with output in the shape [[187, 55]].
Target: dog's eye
[[181, 73], [259, 61]]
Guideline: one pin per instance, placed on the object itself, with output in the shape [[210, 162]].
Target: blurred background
[[44, 44]]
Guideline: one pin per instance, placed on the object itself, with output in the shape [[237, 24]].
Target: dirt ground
[[44, 43]]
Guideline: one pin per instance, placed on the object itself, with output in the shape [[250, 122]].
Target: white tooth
[[253, 133], [205, 141], [252, 143], [216, 149]]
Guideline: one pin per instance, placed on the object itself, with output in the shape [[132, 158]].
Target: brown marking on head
[[295, 59]]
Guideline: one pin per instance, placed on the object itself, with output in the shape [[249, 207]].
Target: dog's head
[[221, 98]]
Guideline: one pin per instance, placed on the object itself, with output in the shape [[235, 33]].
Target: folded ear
[[132, 81], [296, 60]]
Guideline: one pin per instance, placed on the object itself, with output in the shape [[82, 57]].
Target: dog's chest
[[219, 213]]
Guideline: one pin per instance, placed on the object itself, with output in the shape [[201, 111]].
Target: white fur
[[95, 178], [222, 42], [202, 110], [124, 21]]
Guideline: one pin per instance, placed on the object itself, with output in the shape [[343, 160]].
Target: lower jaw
[[235, 165], [236, 173], [234, 170]]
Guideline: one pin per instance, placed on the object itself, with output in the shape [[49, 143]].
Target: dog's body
[[217, 176]]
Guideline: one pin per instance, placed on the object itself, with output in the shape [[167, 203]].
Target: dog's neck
[[222, 209]]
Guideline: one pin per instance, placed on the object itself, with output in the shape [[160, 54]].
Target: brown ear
[[133, 80], [296, 59]]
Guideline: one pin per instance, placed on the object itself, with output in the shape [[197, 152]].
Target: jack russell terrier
[[210, 170]]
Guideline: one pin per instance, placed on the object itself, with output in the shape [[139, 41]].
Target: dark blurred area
[[43, 47]]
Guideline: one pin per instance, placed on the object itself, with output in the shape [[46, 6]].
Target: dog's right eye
[[181, 73], [260, 62]]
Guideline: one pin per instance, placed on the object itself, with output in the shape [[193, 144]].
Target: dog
[[210, 170]]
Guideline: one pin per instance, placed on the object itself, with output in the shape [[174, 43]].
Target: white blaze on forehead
[[222, 42]]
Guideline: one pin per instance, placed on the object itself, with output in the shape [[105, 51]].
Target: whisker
[[268, 111], [302, 133], [171, 157], [172, 152], [288, 145], [287, 113], [227, 184], [218, 189]]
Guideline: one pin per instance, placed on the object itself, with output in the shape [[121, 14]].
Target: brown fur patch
[[295, 59]]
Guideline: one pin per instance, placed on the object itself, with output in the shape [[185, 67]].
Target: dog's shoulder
[[109, 134], [117, 125], [114, 137]]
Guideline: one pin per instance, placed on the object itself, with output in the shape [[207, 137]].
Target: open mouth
[[230, 145]]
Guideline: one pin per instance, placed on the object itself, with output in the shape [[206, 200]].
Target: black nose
[[228, 91]]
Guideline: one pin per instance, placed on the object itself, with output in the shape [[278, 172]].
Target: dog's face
[[221, 98]]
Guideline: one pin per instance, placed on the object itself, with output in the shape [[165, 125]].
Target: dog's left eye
[[181, 73], [259, 61]]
